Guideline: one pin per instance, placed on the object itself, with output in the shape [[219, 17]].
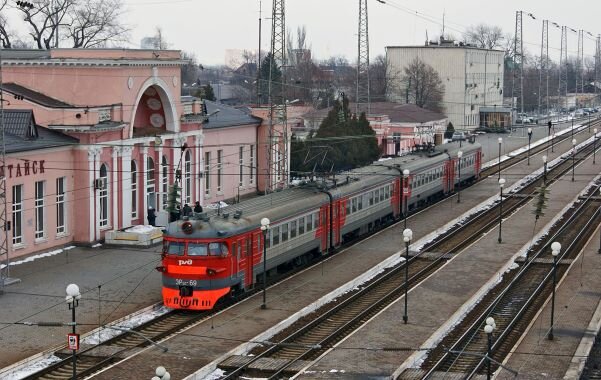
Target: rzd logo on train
[[184, 262]]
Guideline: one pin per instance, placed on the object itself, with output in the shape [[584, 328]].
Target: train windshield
[[218, 249], [197, 249], [175, 248]]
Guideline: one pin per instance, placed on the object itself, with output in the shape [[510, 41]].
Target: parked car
[[458, 136]]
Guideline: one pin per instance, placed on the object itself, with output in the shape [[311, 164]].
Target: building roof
[[227, 116], [34, 96], [23, 134], [397, 112], [444, 46]]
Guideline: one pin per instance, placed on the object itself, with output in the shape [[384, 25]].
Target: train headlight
[[211, 272], [161, 269]]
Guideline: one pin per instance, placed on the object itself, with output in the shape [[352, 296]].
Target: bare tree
[[96, 23], [5, 33], [485, 36], [423, 85], [161, 42], [45, 19], [378, 79]]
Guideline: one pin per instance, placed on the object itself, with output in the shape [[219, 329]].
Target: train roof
[[246, 215]]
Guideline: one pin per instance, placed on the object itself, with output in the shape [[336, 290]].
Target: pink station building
[[94, 138]]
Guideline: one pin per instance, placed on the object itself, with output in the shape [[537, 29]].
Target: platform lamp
[[264, 228], [501, 184], [407, 236], [555, 248], [573, 157], [406, 188], [529, 141], [73, 297], [459, 156], [500, 142], [594, 145], [488, 329], [544, 170], [161, 374]]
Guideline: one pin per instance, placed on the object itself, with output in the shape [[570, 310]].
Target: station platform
[[385, 346], [225, 334]]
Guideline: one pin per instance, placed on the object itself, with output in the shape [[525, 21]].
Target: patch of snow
[[38, 365], [97, 245], [38, 256], [141, 229], [215, 375], [215, 206]]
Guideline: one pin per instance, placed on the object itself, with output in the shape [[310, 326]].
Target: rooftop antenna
[[362, 102]]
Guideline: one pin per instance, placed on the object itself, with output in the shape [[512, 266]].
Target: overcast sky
[[208, 27]]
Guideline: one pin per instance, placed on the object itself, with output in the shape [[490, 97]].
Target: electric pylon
[[597, 63], [563, 65], [278, 152], [580, 63], [544, 67], [362, 102], [517, 89]]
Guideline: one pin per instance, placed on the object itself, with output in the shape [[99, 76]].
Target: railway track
[[513, 303], [96, 358], [592, 368], [315, 334]]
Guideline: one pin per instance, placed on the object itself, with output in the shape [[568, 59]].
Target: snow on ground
[[217, 374], [21, 373], [215, 206], [97, 245], [141, 229], [38, 256]]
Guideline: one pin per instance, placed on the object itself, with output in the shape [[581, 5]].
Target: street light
[[161, 374], [264, 228], [488, 329], [555, 248], [529, 140], [73, 296], [459, 155], [573, 157], [594, 145], [406, 196], [544, 170], [407, 236], [500, 142], [501, 183]]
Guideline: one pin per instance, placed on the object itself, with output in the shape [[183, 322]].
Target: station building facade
[[96, 137]]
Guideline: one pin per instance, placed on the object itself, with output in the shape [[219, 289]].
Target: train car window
[[197, 249], [276, 236], [377, 195], [387, 192], [268, 240], [293, 225], [381, 195], [239, 250], [175, 248], [360, 202], [301, 226], [259, 238], [284, 232], [316, 220], [348, 206], [354, 202], [309, 222], [218, 249], [371, 198], [249, 246]]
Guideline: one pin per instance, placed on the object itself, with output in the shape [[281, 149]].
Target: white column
[[92, 194], [159, 184], [144, 180], [198, 141], [126, 184], [114, 186]]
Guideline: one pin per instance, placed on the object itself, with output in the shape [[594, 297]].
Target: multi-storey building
[[472, 77]]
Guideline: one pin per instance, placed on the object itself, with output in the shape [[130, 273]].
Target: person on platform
[[197, 207], [152, 217], [187, 210]]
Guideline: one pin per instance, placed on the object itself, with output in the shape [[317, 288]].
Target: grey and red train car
[[211, 255]]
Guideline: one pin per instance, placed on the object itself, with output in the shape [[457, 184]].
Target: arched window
[[103, 197], [134, 190], [188, 178], [150, 191], [165, 180]]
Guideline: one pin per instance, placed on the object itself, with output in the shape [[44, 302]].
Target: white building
[[472, 77]]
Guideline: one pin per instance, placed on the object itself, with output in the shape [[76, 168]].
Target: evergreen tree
[[268, 65], [347, 142]]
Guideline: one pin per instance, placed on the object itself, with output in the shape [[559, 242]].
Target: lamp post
[[500, 142], [555, 248], [572, 131], [407, 236], [501, 184], [264, 228], [544, 170], [488, 329], [594, 145], [459, 155], [406, 196], [73, 296], [161, 374], [573, 157], [529, 140]]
